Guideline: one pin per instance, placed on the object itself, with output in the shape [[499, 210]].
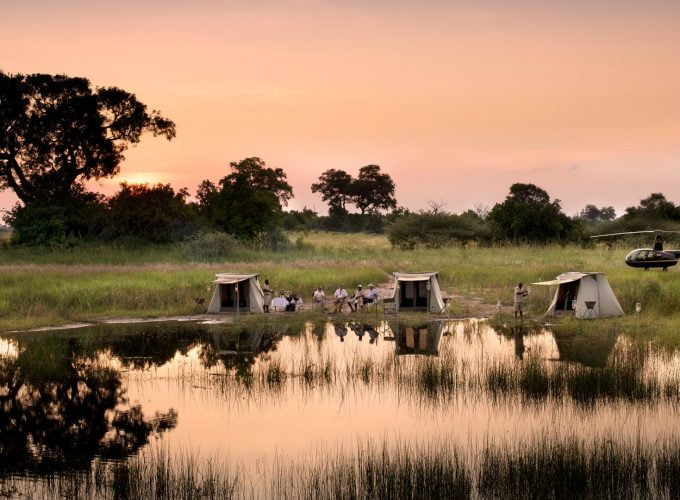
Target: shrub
[[430, 230], [156, 214], [210, 246]]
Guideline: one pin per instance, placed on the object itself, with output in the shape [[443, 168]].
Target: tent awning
[[230, 279], [414, 276], [564, 278]]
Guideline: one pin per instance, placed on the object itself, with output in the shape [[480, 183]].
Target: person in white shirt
[[371, 296], [340, 298], [520, 293], [319, 297], [357, 300]]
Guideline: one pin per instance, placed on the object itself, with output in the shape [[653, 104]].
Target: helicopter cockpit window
[[643, 255]]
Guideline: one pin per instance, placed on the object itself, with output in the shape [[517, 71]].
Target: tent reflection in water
[[232, 288], [418, 292], [418, 339], [586, 295]]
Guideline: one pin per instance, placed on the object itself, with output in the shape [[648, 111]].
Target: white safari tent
[[233, 289], [418, 292], [587, 295]]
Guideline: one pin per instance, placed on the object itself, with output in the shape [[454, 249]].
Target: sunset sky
[[455, 99]]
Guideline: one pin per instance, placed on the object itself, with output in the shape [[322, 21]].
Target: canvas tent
[[232, 288], [587, 295], [418, 291]]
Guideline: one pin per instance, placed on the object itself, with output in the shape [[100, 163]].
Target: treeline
[[527, 215], [59, 133], [245, 204]]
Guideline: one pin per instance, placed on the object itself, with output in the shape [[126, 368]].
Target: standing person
[[267, 290], [340, 298], [520, 293]]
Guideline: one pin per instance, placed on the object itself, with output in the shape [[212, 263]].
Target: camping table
[[279, 303]]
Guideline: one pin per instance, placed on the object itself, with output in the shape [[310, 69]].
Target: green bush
[[428, 230], [210, 246]]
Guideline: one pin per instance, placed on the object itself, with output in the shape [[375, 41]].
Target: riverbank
[[84, 284]]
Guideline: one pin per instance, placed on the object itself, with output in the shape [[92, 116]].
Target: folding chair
[[389, 308], [199, 303]]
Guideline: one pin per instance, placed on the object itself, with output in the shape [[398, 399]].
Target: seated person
[[292, 301], [371, 296], [319, 297], [340, 298], [357, 300]]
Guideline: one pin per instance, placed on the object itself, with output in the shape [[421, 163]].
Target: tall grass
[[40, 286], [540, 467]]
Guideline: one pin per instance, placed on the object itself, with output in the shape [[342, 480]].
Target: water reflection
[[254, 390], [588, 350], [418, 339], [60, 411]]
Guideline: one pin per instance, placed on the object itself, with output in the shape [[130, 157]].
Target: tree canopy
[[335, 187], [591, 213], [371, 192], [248, 201], [59, 132], [528, 214], [655, 206]]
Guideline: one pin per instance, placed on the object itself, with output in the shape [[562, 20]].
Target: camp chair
[[389, 308], [445, 310], [321, 306], [199, 303], [590, 309]]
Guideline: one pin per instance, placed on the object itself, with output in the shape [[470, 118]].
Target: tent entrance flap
[[566, 294], [231, 292], [413, 294]]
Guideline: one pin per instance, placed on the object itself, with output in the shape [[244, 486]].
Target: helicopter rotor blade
[[623, 234], [648, 231]]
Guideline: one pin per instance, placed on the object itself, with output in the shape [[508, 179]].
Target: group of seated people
[[356, 302], [287, 301]]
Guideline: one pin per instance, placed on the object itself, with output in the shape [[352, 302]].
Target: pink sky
[[456, 100]]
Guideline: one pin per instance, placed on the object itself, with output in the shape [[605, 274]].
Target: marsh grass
[[570, 468], [540, 467]]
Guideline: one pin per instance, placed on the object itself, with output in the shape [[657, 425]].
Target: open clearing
[[41, 288]]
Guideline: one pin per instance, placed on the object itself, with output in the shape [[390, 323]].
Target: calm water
[[260, 393]]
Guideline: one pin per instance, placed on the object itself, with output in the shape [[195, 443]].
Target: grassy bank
[[40, 287]]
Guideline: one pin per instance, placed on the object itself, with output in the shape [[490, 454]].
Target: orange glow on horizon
[[456, 100]]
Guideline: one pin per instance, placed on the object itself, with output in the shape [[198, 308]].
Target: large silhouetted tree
[[591, 213], [373, 190], [655, 206], [247, 202], [255, 172], [155, 213], [335, 187], [57, 132], [528, 214]]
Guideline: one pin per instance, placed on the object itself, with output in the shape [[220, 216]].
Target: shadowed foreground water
[[275, 408]]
